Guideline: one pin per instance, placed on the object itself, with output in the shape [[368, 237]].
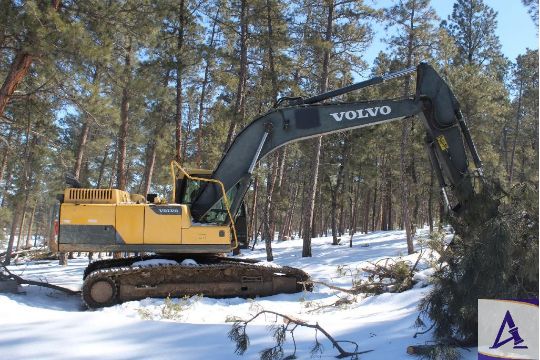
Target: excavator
[[181, 246]]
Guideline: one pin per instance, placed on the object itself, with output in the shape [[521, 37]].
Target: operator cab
[[187, 190]]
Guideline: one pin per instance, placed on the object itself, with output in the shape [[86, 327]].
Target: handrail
[[225, 199]]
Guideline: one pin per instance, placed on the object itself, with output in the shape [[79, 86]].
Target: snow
[[189, 262], [154, 262], [45, 324]]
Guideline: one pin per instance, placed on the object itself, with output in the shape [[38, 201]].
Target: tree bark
[[267, 235], [404, 147], [239, 106], [179, 79], [17, 72], [19, 67], [306, 246], [102, 166], [202, 99], [121, 179], [516, 135]]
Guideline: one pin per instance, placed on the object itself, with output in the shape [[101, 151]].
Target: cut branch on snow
[[238, 335], [6, 275]]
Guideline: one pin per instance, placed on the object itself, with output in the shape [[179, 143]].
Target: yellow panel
[[200, 235], [186, 218], [163, 224], [91, 214], [130, 223], [95, 196]]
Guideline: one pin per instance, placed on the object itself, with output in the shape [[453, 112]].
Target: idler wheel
[[99, 291]]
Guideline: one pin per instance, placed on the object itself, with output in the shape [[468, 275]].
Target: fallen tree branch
[[352, 291], [238, 335], [22, 281]]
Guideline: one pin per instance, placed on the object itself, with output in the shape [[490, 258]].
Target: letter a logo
[[514, 334]]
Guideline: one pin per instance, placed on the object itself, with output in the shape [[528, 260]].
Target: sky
[[515, 29]]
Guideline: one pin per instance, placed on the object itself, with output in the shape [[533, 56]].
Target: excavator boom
[[447, 135]]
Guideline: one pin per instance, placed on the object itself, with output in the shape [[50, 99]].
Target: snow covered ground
[[45, 324]]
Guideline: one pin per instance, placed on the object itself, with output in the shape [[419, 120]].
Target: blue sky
[[515, 29]]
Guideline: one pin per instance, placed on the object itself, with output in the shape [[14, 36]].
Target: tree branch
[[21, 281], [238, 335]]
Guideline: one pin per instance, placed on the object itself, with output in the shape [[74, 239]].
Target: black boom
[[434, 102]]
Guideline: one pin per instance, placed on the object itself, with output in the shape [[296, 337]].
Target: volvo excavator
[[181, 245]]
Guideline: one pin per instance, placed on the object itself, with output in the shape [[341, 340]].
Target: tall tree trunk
[[366, 210], [26, 177], [306, 246], [18, 70], [516, 135], [374, 206], [5, 157], [80, 149], [149, 168], [389, 219], [404, 148], [202, 99], [102, 166], [20, 66], [179, 79], [268, 208], [121, 178], [430, 201], [30, 226], [239, 106], [83, 139]]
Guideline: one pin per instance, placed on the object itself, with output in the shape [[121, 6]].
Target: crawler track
[[110, 282]]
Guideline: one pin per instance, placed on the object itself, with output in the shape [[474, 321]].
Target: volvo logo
[[166, 210], [362, 113]]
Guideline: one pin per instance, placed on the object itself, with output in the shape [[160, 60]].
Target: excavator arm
[[447, 136]]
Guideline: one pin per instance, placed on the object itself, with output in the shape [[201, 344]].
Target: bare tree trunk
[[17, 72], [306, 247], [430, 201], [102, 166], [516, 135], [21, 228], [30, 225], [149, 168], [179, 79], [80, 149], [366, 211], [202, 99], [374, 206], [268, 237], [20, 66], [390, 220], [20, 205], [404, 147], [310, 199], [239, 107], [124, 119], [5, 157]]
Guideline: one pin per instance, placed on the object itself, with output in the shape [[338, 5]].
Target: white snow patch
[[189, 262], [45, 324], [154, 262]]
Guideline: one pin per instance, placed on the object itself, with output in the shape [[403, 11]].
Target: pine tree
[[415, 22], [472, 24]]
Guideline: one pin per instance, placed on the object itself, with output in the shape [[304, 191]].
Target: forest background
[[111, 91]]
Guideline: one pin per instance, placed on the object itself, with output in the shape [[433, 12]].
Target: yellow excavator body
[[114, 220]]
